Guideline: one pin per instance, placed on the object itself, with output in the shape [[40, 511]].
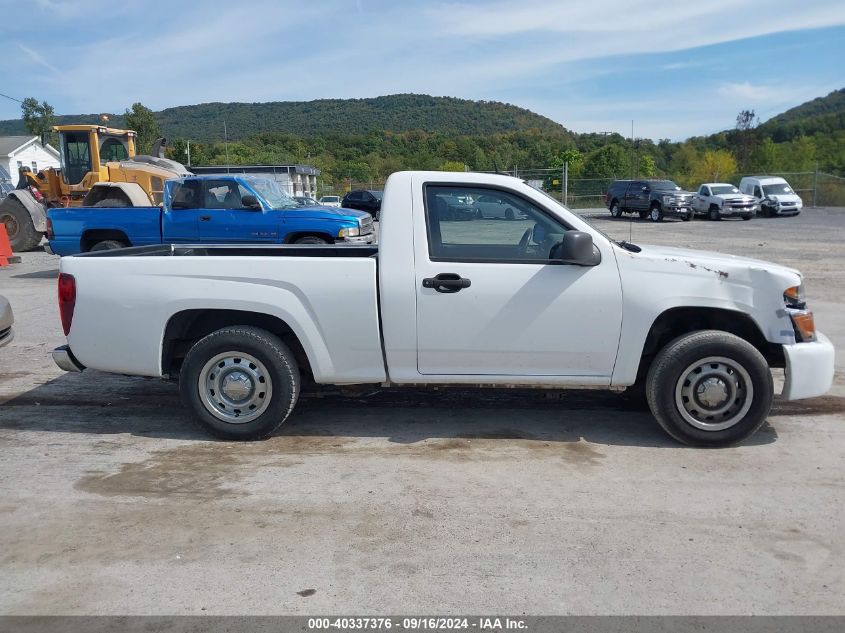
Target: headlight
[[349, 232], [802, 319]]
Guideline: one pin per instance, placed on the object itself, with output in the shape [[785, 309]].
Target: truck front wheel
[[710, 388], [240, 382]]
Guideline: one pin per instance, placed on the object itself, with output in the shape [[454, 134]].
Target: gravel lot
[[470, 501]]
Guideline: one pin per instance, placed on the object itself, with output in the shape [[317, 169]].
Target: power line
[[12, 98]]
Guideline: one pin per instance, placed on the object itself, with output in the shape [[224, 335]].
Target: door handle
[[447, 283], [205, 218]]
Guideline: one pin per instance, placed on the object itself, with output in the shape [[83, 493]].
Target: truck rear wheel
[[615, 209], [709, 388], [240, 382], [107, 245], [19, 226]]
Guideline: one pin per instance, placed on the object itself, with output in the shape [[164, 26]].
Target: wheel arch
[[91, 236], [677, 321], [132, 192], [290, 238], [184, 328]]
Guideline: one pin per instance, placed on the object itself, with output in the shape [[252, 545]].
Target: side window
[[704, 191], [224, 194], [185, 195], [354, 196], [462, 228], [758, 193]]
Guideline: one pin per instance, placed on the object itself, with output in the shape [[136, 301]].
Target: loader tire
[[19, 226]]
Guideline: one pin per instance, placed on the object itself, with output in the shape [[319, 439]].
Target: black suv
[[653, 199], [363, 200]]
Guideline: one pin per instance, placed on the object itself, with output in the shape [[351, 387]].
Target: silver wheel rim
[[235, 387], [655, 215], [615, 211], [714, 393]]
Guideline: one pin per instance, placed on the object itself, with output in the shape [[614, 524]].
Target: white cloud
[[39, 59], [748, 91]]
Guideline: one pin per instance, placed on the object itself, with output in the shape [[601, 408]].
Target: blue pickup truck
[[207, 209]]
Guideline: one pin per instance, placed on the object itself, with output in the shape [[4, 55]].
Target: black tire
[[687, 217], [655, 213], [615, 209], [19, 226], [282, 375], [311, 239], [119, 202], [747, 216], [107, 245], [666, 383], [509, 214], [765, 211], [643, 213], [713, 213]]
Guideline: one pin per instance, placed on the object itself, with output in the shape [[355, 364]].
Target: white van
[[774, 194]]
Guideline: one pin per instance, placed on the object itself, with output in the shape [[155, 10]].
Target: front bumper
[[809, 368], [363, 239], [65, 359], [678, 211]]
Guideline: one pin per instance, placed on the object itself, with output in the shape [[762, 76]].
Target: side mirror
[[250, 202], [645, 189], [576, 248]]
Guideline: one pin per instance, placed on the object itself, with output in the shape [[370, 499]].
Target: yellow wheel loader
[[99, 167]]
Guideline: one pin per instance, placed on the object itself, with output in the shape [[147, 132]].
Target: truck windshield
[[720, 189], [664, 185], [272, 193]]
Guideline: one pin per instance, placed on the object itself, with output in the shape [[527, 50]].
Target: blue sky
[[676, 68]]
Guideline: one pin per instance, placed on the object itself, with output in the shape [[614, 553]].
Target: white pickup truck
[[540, 300]]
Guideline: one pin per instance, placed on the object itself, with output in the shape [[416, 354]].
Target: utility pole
[[815, 184], [188, 152], [226, 142], [565, 182]]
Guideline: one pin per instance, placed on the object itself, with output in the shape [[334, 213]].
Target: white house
[[18, 151]]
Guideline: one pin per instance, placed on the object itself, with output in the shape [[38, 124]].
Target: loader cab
[[87, 148]]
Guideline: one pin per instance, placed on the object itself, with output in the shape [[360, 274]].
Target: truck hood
[[735, 196], [719, 264], [335, 213]]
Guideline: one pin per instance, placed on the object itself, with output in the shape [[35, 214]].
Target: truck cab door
[[489, 301], [224, 218], [180, 216]]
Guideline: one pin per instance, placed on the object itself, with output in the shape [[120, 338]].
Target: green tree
[[647, 167], [714, 166], [610, 161], [141, 119], [451, 165], [765, 156], [38, 118]]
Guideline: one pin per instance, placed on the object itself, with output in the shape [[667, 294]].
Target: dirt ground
[[466, 501]]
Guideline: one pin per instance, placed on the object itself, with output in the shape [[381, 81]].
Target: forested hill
[[821, 115], [394, 113]]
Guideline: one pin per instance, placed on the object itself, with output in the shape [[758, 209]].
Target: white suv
[[774, 194]]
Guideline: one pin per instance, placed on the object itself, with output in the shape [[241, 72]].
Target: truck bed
[[326, 294]]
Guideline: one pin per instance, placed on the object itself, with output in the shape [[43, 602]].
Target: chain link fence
[[816, 188]]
